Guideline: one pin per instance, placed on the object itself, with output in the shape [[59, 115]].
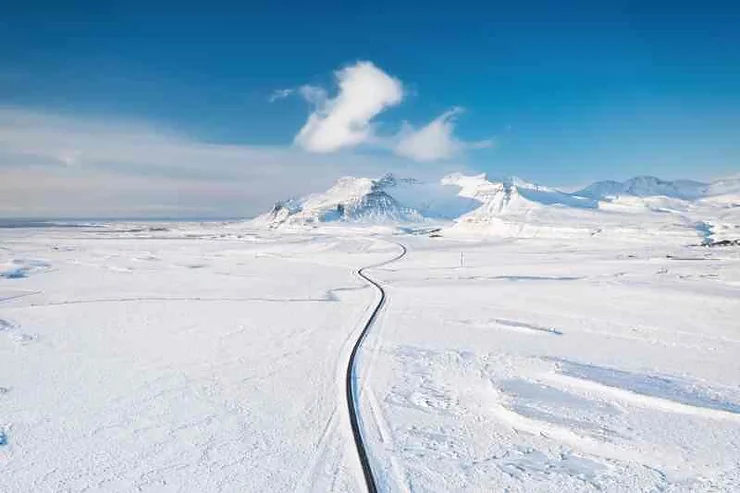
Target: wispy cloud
[[53, 165], [346, 120], [280, 94], [435, 141], [314, 95]]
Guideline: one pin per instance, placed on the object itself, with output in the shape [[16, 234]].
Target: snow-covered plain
[[180, 360], [211, 357], [544, 365]]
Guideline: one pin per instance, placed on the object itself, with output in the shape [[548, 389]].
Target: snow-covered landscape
[[531, 339]]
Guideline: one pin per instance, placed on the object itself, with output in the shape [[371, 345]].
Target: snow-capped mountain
[[512, 195], [650, 186], [350, 199], [724, 192], [386, 200], [515, 207]]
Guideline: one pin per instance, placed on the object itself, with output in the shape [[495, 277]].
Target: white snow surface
[[182, 357]]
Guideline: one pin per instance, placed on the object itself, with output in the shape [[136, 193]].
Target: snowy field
[[211, 358]]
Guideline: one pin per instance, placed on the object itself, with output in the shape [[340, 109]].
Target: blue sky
[[558, 92]]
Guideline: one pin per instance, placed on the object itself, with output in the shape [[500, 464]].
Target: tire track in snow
[[322, 449], [386, 438], [352, 393]]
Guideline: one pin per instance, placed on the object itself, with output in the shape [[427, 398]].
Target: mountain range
[[513, 206]]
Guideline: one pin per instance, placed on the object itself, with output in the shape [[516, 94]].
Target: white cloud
[[315, 95], [436, 141], [345, 121]]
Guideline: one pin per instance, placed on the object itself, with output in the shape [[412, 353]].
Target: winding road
[[352, 391]]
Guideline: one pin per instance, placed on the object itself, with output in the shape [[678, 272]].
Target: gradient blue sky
[[569, 92]]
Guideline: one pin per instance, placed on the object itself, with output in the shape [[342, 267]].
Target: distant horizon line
[[11, 221]]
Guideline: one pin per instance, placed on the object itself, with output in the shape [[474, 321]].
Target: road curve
[[350, 380]]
